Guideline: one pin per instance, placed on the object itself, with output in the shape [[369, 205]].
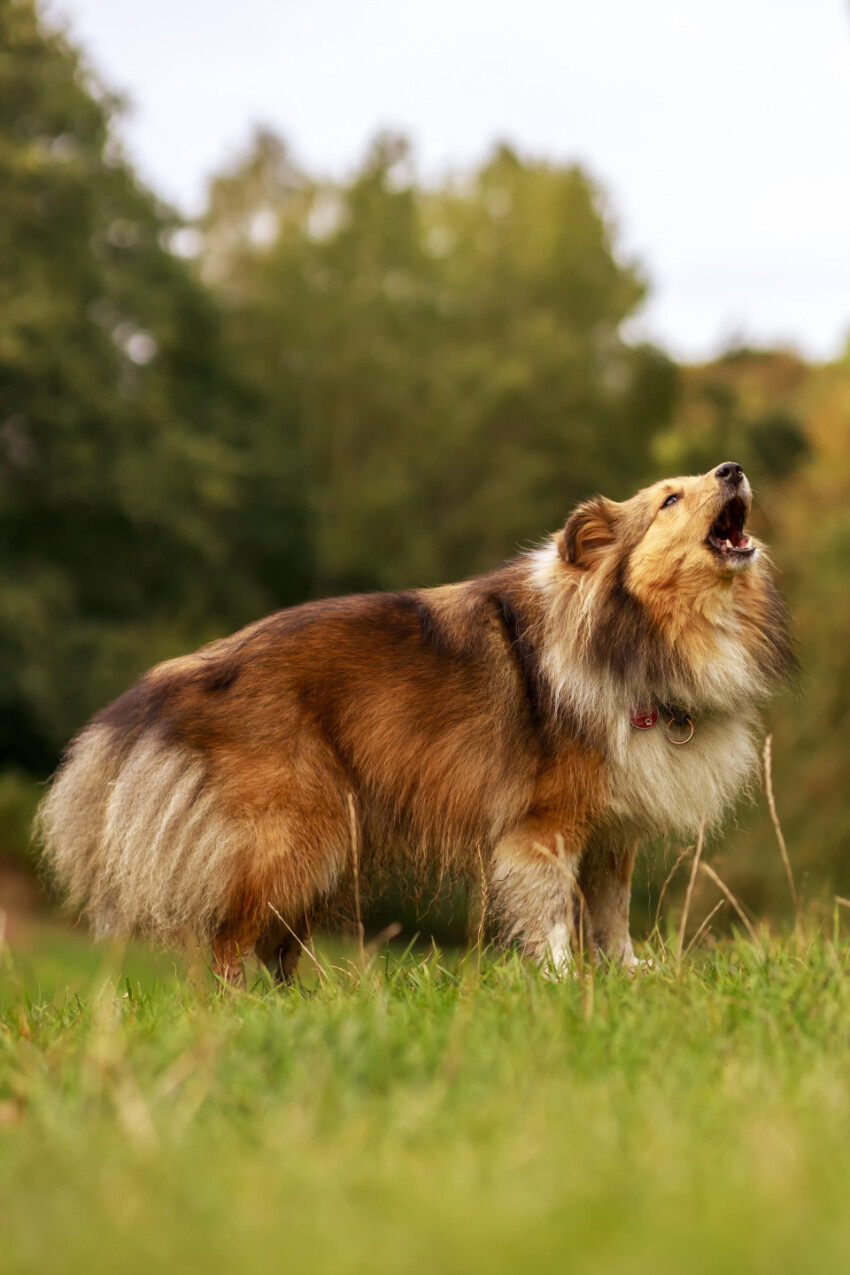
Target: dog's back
[[222, 783]]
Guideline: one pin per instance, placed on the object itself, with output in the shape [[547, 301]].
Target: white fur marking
[[142, 842], [557, 963]]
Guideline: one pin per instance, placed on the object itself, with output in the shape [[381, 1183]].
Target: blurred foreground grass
[[427, 1114]]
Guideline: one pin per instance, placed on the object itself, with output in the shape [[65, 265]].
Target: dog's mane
[[595, 638]]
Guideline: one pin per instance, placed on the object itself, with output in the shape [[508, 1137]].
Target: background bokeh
[[321, 385]]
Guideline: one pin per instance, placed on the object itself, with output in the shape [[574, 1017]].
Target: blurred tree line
[[354, 386], [135, 514], [327, 386]]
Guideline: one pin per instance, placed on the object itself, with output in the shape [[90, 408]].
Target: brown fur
[[479, 722]]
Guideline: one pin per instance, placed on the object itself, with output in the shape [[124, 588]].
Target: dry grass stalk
[[690, 892], [704, 925], [482, 918], [721, 884], [355, 860], [670, 875], [132, 1111], [386, 935], [312, 955], [767, 758], [590, 982]]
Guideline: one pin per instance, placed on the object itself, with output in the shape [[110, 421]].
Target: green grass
[[428, 1115]]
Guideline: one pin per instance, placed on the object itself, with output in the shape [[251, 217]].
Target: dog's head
[[666, 578], [683, 533]]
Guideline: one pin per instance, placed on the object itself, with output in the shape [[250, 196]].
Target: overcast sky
[[720, 129]]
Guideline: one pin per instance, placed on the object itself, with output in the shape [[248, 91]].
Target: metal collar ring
[[686, 723]]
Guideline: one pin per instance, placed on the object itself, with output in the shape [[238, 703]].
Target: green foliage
[[123, 464], [811, 532], [778, 443], [458, 1117], [738, 408], [19, 796], [450, 355]]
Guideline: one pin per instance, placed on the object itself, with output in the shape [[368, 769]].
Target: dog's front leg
[[533, 882], [605, 881]]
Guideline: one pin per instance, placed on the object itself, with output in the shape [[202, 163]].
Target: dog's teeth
[[729, 544]]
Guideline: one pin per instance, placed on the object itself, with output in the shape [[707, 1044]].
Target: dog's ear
[[589, 531]]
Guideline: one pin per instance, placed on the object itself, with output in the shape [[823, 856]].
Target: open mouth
[[726, 534]]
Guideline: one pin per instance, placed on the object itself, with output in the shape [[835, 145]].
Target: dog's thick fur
[[478, 726]]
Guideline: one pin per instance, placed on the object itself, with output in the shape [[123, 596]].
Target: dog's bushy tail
[[133, 834]]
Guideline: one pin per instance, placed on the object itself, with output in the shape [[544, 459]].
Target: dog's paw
[[558, 969]]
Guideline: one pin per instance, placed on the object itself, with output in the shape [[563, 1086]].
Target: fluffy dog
[[535, 723]]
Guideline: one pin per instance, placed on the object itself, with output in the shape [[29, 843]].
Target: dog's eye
[[671, 500]]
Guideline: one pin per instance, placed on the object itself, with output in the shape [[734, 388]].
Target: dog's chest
[[668, 788]]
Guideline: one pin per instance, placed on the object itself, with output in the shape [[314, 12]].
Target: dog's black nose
[[729, 472]]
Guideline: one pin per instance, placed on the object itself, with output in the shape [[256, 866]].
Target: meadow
[[404, 1111], [365, 383]]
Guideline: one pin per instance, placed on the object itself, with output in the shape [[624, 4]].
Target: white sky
[[720, 129]]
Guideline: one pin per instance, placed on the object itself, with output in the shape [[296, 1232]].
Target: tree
[[452, 356], [738, 407], [123, 464]]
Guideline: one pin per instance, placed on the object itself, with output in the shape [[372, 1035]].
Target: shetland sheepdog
[[533, 725]]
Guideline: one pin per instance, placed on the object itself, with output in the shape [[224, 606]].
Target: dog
[[532, 726]]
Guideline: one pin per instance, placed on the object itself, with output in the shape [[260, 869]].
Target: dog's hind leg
[[533, 883], [229, 959], [296, 851], [605, 880], [280, 949]]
